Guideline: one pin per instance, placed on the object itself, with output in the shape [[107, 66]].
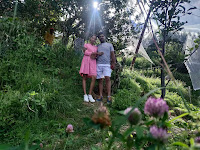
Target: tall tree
[[168, 14], [74, 17]]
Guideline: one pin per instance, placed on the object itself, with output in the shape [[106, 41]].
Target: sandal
[[99, 99], [109, 100]]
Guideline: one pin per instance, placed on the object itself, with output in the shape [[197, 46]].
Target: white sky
[[191, 19]]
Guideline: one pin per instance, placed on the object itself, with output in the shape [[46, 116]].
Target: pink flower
[[134, 117], [159, 133], [41, 145], [197, 140], [155, 107], [69, 128]]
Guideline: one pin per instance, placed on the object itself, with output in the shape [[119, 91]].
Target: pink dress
[[88, 65]]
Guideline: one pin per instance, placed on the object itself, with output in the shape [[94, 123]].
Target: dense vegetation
[[41, 90]]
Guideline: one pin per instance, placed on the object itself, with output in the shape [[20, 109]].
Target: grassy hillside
[[41, 93]]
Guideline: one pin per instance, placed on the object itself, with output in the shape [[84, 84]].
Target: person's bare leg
[[92, 84], [108, 85], [84, 83], [101, 87]]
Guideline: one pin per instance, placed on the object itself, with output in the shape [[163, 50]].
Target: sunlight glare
[[95, 4]]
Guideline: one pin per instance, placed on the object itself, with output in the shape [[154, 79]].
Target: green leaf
[[121, 112], [167, 124], [152, 147], [180, 144], [119, 120], [33, 93], [4, 147], [180, 116], [128, 132], [119, 136], [192, 142], [139, 131], [150, 122], [165, 117], [95, 148], [90, 123]]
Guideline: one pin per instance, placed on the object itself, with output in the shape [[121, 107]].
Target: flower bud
[[155, 107], [101, 116], [197, 140], [135, 116], [159, 133], [69, 128]]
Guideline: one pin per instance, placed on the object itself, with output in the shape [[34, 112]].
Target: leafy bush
[[173, 99], [145, 86], [142, 63], [151, 73], [127, 95]]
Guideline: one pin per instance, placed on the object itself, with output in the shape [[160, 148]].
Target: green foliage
[[35, 83], [41, 90], [138, 136], [184, 77], [173, 99], [145, 86], [142, 63], [151, 72], [197, 43], [168, 14], [76, 14], [127, 95], [174, 55]]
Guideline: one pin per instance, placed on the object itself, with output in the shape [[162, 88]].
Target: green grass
[[41, 92]]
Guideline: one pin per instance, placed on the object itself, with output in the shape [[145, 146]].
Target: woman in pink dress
[[88, 67]]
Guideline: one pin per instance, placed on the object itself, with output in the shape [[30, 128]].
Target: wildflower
[[69, 128], [197, 140], [135, 116], [41, 145], [155, 107], [159, 133], [101, 116]]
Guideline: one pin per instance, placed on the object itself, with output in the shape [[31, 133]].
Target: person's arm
[[113, 58], [100, 53], [84, 49], [113, 61], [87, 53]]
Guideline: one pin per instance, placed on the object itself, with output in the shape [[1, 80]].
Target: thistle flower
[[197, 140], [135, 116], [41, 145], [101, 116], [155, 107], [159, 133], [69, 128]]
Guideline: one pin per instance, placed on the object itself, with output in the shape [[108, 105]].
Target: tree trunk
[[141, 37], [162, 69]]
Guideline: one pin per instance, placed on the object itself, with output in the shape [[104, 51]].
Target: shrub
[[142, 63], [145, 86], [173, 99], [151, 73], [128, 93]]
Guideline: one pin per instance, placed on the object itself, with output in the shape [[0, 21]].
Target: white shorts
[[103, 71]]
